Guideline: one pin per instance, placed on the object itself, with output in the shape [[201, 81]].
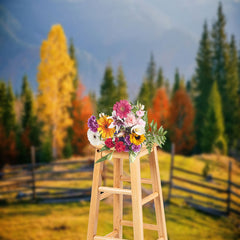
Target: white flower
[[101, 115], [138, 129], [94, 138]]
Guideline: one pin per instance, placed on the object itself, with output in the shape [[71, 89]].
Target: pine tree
[[213, 128], [144, 94], [167, 87], [231, 101], [8, 151], [191, 88], [160, 78], [108, 92], [150, 77], [55, 88], [3, 93], [72, 54], [220, 52], [121, 85], [27, 99], [204, 81], [176, 84], [8, 116]]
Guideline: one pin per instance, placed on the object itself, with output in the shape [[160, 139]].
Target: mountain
[[120, 32]]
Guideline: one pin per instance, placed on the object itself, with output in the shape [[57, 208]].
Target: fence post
[[229, 187], [171, 170], [33, 172]]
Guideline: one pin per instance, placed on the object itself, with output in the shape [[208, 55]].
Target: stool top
[[124, 155]]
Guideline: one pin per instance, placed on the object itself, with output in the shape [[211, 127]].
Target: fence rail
[[231, 204]]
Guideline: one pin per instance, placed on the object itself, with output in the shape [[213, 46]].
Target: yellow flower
[[137, 139], [104, 129]]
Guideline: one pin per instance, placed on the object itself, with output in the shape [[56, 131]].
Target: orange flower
[[104, 129]]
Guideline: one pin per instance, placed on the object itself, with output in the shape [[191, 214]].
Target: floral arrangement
[[126, 130]]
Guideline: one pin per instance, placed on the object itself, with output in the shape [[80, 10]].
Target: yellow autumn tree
[[55, 87]]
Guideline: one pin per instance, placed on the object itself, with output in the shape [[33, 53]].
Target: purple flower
[[92, 123], [127, 140], [126, 148], [136, 148]]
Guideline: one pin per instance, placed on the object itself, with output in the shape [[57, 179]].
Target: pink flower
[[140, 113], [122, 108], [141, 122], [130, 120]]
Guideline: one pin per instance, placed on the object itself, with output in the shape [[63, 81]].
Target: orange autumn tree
[[181, 122], [160, 108], [82, 110]]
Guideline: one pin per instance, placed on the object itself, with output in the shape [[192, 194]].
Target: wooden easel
[[101, 192]]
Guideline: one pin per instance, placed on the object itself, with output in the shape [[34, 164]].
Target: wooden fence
[[225, 204], [61, 180]]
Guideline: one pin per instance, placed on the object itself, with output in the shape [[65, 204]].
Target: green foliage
[[144, 94], [150, 77], [67, 150], [206, 170], [176, 84], [8, 111], [108, 92], [231, 103], [72, 54], [27, 99], [3, 95], [204, 81], [121, 85], [155, 136], [46, 151], [213, 126], [160, 78]]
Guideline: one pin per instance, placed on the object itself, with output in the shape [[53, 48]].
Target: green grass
[[69, 221]]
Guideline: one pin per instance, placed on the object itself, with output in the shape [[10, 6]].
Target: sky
[[122, 32]]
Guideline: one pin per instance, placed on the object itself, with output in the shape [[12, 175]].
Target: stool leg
[[136, 199], [158, 202], [117, 198], [95, 198]]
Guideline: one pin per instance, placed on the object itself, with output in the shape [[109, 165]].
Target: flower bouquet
[[126, 130]]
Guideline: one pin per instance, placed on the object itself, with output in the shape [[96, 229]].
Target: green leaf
[[107, 157], [104, 148], [132, 156]]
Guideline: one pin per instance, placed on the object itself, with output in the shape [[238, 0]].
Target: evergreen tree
[[144, 94], [108, 92], [72, 54], [160, 78], [176, 84], [213, 128], [220, 58], [191, 88], [8, 115], [231, 101], [121, 85], [167, 87], [151, 74], [3, 93], [27, 99], [204, 81]]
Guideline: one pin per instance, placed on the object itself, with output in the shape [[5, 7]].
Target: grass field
[[69, 221]]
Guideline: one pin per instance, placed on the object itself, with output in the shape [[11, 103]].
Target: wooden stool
[[100, 192]]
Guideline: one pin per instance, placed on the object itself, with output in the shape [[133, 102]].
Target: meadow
[[32, 221]]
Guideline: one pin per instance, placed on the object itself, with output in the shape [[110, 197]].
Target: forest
[[201, 114]]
